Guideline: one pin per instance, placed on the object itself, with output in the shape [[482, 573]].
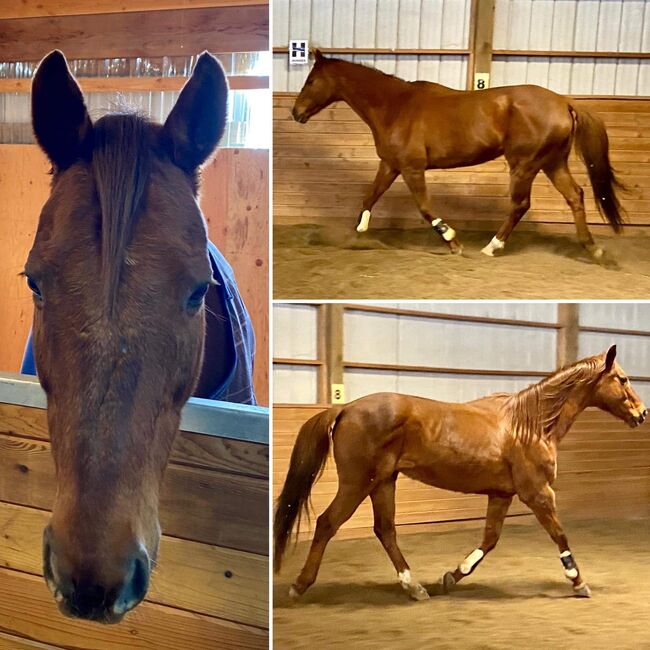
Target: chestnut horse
[[420, 125], [501, 445], [119, 271]]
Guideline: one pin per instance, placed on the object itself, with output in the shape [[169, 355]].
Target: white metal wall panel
[[581, 25], [544, 312], [627, 316], [383, 338], [294, 332], [405, 24], [295, 385], [447, 388], [633, 352]]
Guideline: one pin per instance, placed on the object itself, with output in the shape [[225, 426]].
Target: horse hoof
[[418, 592], [448, 582], [455, 248], [582, 591], [293, 594]]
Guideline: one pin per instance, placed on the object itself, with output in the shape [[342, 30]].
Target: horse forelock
[[121, 166], [535, 410]]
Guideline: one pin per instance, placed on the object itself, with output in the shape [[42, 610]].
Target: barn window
[[150, 84]]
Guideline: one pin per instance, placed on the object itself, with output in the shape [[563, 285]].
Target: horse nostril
[[136, 585], [87, 598]]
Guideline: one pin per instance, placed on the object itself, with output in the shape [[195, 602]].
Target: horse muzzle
[[299, 117], [82, 595], [638, 417]]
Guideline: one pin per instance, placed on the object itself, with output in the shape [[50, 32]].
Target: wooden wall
[[234, 199], [83, 32], [603, 468], [214, 514], [323, 168]]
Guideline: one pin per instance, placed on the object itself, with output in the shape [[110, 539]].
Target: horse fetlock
[[444, 230], [414, 589], [582, 590], [569, 564], [595, 251], [470, 562], [295, 593], [364, 221], [494, 247]]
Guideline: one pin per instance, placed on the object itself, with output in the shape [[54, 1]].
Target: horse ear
[[59, 117], [316, 54], [197, 121], [609, 358]]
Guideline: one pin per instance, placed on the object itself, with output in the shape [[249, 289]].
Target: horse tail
[[592, 145], [305, 468]]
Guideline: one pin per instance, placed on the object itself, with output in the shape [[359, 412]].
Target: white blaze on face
[[471, 561], [364, 221], [494, 245]]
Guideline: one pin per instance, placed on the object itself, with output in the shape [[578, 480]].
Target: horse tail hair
[[307, 463], [592, 145]]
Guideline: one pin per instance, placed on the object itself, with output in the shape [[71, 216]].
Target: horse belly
[[472, 476]]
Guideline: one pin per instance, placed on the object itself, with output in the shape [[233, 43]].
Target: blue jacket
[[238, 387]]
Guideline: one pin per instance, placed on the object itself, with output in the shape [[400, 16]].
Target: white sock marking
[[494, 245], [405, 579], [471, 561], [364, 221]]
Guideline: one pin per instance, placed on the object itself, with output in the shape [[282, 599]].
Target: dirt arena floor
[[314, 262], [517, 598]]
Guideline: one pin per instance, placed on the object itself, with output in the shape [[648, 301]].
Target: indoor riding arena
[[595, 53], [328, 353], [209, 587]]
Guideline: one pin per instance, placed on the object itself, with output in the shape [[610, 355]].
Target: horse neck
[[558, 405], [369, 92]]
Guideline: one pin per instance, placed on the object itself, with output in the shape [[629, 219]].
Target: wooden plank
[[136, 84], [188, 575], [27, 609], [36, 8], [397, 51], [481, 44], [334, 333], [398, 367], [205, 506], [148, 33], [11, 642], [567, 336], [194, 449]]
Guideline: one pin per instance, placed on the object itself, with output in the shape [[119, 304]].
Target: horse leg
[[543, 506], [564, 183], [521, 182], [383, 507], [347, 500], [383, 180], [496, 513], [414, 178]]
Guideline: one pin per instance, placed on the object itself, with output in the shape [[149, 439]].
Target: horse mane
[[121, 165], [440, 87], [535, 410]]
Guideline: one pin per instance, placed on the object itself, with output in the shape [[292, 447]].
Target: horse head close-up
[[119, 271]]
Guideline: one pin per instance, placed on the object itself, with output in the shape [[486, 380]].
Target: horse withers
[[420, 125], [501, 446], [119, 270]]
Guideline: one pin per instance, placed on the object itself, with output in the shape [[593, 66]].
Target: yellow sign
[[338, 394], [481, 80]]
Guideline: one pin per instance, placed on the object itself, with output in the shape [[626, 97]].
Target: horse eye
[[623, 380], [197, 297], [34, 288]]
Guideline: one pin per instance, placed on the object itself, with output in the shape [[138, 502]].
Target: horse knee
[[383, 530], [324, 527]]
